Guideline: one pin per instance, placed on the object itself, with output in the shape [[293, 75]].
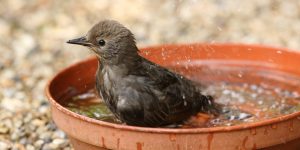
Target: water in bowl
[[242, 103]]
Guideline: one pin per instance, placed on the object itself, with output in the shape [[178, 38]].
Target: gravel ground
[[33, 48]]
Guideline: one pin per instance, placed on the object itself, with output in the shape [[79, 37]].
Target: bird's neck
[[121, 65]]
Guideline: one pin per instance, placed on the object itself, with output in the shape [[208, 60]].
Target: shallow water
[[241, 103]]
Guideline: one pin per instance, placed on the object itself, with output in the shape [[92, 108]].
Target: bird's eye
[[101, 42]]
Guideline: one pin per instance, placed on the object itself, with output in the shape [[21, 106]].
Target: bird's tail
[[208, 105]]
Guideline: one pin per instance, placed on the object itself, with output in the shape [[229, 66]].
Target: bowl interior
[[200, 62]]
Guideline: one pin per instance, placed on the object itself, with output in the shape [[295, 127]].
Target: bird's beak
[[80, 41]]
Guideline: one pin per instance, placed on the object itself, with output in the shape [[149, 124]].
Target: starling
[[136, 90]]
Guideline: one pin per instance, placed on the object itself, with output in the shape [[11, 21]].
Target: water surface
[[241, 103]]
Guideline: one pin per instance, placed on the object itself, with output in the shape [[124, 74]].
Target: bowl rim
[[171, 130]]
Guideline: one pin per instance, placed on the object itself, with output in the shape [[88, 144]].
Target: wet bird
[[136, 90]]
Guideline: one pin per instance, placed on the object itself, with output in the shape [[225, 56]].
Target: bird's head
[[109, 40]]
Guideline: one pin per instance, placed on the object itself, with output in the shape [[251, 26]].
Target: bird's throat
[[117, 70], [121, 61]]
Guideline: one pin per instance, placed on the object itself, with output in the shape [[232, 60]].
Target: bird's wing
[[165, 97], [179, 96], [139, 106]]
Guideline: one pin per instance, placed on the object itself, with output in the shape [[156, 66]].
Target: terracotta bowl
[[258, 63]]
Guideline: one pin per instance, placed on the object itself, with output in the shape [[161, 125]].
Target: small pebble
[[60, 142], [38, 144], [30, 147], [59, 134], [50, 146], [46, 136], [3, 129], [4, 146]]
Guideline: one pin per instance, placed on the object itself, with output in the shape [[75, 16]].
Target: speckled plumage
[[136, 90]]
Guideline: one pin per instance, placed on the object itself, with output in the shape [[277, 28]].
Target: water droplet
[[231, 117], [184, 103], [240, 75], [273, 126], [279, 52], [253, 131], [291, 127], [241, 100], [253, 95], [97, 114], [243, 115], [172, 137], [162, 54], [260, 91], [277, 90], [295, 94], [226, 92], [253, 87], [266, 131]]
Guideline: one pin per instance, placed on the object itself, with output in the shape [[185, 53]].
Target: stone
[[30, 147], [59, 134], [50, 146], [60, 142], [3, 129], [38, 144], [46, 136], [4, 145], [38, 122]]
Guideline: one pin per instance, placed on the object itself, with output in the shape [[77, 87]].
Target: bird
[[136, 90]]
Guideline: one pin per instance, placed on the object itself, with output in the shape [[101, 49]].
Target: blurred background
[[33, 35]]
